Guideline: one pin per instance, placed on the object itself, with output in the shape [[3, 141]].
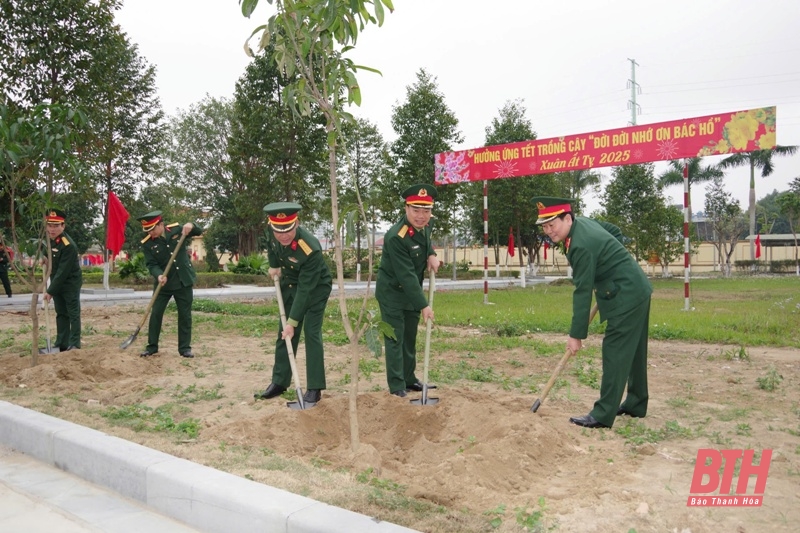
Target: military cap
[[55, 216], [282, 216], [550, 207], [420, 195], [150, 220]]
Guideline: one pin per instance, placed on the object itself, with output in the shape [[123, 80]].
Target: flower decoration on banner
[[450, 167], [745, 131]]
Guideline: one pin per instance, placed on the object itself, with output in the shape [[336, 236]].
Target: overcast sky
[[568, 61]]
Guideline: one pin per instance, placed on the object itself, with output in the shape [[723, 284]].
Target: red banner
[[726, 133]]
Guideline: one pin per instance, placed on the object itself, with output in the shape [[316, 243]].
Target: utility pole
[[635, 88]]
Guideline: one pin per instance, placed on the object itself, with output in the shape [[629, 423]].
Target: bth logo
[[720, 478]]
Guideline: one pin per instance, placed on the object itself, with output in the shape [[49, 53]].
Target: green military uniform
[[180, 281], [399, 293], [5, 259], [601, 264], [305, 286], [66, 279]]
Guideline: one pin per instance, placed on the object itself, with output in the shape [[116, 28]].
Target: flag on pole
[[546, 247], [511, 249], [117, 218], [758, 246]]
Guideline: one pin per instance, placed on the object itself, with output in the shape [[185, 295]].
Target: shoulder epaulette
[[403, 231], [173, 224], [304, 246], [65, 241], [146, 239]]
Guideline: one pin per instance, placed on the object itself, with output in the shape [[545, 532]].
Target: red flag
[[511, 250], [117, 218], [758, 246], [546, 247]]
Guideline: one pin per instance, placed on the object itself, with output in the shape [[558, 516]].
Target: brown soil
[[479, 450]]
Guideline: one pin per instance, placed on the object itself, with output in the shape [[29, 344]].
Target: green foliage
[[143, 418], [771, 381], [349, 263], [256, 264], [533, 520], [134, 269]]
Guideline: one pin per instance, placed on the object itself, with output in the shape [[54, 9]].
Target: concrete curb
[[199, 496]]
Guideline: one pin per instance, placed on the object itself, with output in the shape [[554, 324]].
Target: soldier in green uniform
[[295, 256], [158, 246], [407, 254], [600, 263], [66, 279], [5, 260]]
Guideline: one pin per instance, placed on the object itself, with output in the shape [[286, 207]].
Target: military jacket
[[4, 260], [600, 263], [403, 262], [303, 271], [158, 251], [66, 275]]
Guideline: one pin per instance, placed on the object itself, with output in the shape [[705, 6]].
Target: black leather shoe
[[187, 353], [587, 421], [312, 396], [72, 348], [401, 393], [270, 392], [147, 353], [417, 387], [622, 411]]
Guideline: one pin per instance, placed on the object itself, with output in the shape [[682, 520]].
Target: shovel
[[559, 368], [424, 399], [50, 348], [135, 334], [300, 403]]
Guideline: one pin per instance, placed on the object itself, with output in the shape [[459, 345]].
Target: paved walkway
[[99, 297], [38, 498]]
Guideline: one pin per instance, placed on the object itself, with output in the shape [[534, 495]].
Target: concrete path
[[38, 498], [99, 297]]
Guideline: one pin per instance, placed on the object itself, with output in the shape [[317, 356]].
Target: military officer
[[295, 256], [66, 279], [158, 246], [5, 260], [600, 263], [407, 254]]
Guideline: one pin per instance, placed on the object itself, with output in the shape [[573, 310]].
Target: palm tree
[[697, 174], [756, 159], [576, 182]]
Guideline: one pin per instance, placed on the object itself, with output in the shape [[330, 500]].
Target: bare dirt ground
[[478, 455]]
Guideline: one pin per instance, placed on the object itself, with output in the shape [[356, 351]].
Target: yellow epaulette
[[173, 224], [65, 241], [403, 231], [146, 239], [304, 246]]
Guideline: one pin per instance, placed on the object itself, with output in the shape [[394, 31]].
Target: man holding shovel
[[66, 279], [295, 256], [600, 263], [158, 247], [407, 254]]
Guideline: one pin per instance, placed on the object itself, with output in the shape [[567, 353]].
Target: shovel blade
[[297, 406], [536, 405], [130, 339], [45, 351], [427, 401]]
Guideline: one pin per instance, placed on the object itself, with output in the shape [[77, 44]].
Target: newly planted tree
[[35, 144], [311, 40]]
